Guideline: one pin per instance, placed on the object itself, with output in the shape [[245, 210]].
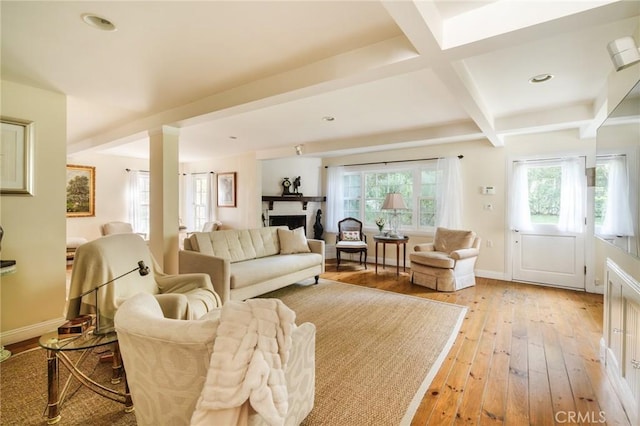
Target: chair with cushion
[[116, 227], [167, 363], [351, 239], [107, 258], [446, 264]]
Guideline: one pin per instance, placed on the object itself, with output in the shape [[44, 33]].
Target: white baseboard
[[494, 275], [30, 331]]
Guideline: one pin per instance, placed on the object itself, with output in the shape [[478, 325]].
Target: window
[[201, 199], [139, 201], [544, 193], [366, 189]]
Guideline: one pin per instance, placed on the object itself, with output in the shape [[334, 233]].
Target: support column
[[164, 193]]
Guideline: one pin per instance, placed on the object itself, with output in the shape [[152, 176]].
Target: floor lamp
[[393, 201]]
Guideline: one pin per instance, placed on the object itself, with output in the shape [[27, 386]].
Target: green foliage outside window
[[544, 194]]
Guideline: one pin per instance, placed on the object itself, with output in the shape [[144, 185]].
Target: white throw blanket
[[249, 356]]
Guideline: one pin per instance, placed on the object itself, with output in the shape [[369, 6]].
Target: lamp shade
[[393, 201]]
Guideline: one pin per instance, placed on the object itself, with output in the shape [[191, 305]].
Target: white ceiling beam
[[373, 62], [410, 17]]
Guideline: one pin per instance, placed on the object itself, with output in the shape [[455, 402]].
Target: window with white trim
[[365, 190]]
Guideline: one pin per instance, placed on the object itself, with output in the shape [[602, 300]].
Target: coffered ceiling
[[238, 76]]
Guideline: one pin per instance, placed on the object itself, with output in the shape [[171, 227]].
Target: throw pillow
[[351, 236], [293, 241], [448, 240]]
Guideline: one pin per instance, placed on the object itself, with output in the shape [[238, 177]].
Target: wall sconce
[[298, 149], [623, 52]]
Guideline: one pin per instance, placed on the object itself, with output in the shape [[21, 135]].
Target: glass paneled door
[[547, 220]]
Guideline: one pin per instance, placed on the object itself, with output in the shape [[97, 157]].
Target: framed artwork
[[227, 189], [16, 156], [81, 189]]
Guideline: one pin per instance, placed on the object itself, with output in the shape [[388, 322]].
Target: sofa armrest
[[464, 253], [317, 246], [424, 247], [217, 268]]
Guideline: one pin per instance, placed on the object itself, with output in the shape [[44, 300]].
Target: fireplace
[[292, 221]]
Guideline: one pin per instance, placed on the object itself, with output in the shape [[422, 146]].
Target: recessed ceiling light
[[540, 78], [98, 22], [328, 118], [233, 137]]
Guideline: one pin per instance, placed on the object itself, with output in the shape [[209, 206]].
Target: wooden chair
[[351, 239]]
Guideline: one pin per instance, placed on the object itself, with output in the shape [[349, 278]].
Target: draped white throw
[[449, 197], [617, 216], [572, 196], [520, 214], [335, 198]]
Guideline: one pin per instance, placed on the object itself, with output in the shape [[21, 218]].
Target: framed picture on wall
[[81, 188], [227, 189], [16, 157]]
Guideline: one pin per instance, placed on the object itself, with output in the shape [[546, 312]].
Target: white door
[[548, 221]]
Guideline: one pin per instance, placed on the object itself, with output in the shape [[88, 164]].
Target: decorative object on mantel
[[318, 229], [286, 184], [296, 185], [304, 200]]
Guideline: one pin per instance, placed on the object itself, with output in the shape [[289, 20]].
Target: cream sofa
[[244, 263]]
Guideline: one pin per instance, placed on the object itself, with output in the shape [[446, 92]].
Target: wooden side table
[[398, 241]]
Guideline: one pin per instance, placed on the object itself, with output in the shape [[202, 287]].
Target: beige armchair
[[167, 362], [446, 264], [107, 258], [116, 227]]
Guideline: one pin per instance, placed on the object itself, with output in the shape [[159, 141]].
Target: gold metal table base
[[56, 349]]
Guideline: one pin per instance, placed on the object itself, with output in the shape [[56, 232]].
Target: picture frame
[[81, 189], [226, 189], [16, 157]]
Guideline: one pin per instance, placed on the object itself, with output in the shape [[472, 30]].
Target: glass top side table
[[57, 346]]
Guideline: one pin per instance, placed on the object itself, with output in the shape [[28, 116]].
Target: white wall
[[33, 298], [246, 214], [112, 184]]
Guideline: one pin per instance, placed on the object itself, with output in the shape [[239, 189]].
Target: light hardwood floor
[[525, 355]]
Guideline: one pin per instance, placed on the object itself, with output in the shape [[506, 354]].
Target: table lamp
[[393, 201]]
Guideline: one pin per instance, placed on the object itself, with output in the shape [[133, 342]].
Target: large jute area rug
[[376, 354]]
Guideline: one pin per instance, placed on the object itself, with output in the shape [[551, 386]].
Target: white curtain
[[617, 216], [135, 213], [520, 214], [449, 193], [335, 198], [572, 187], [212, 212], [187, 186]]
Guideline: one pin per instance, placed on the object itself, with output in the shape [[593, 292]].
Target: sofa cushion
[[244, 274], [293, 241], [237, 244], [434, 259], [448, 240]]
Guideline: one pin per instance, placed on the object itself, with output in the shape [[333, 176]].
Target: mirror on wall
[[617, 177]]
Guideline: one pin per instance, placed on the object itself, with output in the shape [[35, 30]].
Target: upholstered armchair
[[116, 227], [167, 362], [446, 264], [107, 258], [351, 239]]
